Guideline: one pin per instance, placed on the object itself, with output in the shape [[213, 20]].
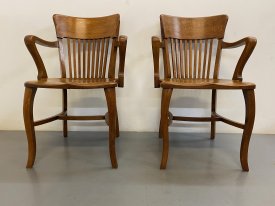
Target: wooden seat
[[64, 83], [192, 50], [206, 84], [88, 52]]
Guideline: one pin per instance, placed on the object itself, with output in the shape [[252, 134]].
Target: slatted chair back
[[192, 46], [87, 46]]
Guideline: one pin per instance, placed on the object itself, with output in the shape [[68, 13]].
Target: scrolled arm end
[[29, 39], [122, 39], [156, 39], [252, 40]]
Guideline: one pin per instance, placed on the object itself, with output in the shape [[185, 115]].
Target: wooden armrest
[[30, 42], [249, 43], [122, 43], [156, 45], [30, 39]]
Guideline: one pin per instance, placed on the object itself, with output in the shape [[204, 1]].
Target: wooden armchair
[[87, 50], [188, 46]]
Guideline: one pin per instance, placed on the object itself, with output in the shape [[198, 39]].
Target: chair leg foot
[[65, 128], [249, 98], [165, 101], [111, 104], [29, 124], [213, 130]]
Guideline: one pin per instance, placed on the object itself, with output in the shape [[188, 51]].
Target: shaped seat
[[192, 50], [64, 83], [206, 84], [88, 52]]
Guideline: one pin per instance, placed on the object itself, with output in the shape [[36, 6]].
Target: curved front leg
[[165, 101], [117, 125], [160, 129], [111, 104], [249, 99], [29, 124]]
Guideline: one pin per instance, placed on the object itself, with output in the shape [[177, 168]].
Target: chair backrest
[[190, 45], [87, 46]]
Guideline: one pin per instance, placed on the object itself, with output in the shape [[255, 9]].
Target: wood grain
[[193, 28], [86, 28], [83, 45], [189, 51]]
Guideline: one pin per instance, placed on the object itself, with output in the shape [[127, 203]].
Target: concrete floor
[[76, 171]]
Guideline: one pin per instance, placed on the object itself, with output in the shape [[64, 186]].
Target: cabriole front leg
[[29, 124], [160, 129], [165, 101], [249, 99], [117, 125], [111, 104]]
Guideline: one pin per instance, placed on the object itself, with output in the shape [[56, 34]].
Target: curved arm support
[[249, 43], [156, 45], [122, 43], [30, 42]]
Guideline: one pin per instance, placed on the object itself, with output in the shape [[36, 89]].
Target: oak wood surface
[[206, 84], [213, 113], [87, 52], [165, 101], [86, 28], [192, 50], [193, 28], [67, 83], [29, 124], [65, 107]]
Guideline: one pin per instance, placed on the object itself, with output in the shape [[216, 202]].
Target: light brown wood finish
[[122, 52], [29, 124], [165, 101], [193, 28], [111, 103], [88, 51], [31, 42], [192, 50], [65, 106], [206, 84], [249, 98], [156, 45], [213, 112], [249, 43], [80, 28]]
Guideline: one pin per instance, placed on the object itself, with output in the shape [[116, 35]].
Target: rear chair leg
[[213, 111], [111, 104], [249, 98], [165, 101], [65, 105], [29, 124]]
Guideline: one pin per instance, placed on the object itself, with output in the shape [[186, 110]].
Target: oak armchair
[[88, 51], [191, 61]]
